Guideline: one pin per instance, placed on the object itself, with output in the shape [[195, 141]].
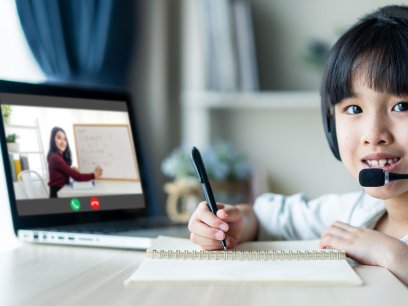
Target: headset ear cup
[[331, 135], [329, 124]]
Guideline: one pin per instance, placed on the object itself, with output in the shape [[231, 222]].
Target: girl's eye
[[400, 107], [353, 109]]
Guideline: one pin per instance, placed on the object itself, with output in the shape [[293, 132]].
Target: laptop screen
[[70, 155]]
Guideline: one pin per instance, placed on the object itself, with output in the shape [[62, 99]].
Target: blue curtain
[[80, 41]]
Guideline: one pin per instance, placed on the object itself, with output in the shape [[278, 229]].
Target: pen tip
[[225, 248]]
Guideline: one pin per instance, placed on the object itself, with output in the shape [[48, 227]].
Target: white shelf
[[252, 100], [36, 129], [17, 126], [29, 152], [197, 108]]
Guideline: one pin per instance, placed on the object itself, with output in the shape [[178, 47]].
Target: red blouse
[[60, 172]]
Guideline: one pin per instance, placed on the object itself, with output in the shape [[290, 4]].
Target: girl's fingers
[[207, 243], [344, 226], [229, 214], [330, 241], [221, 205], [202, 229], [337, 232], [204, 214]]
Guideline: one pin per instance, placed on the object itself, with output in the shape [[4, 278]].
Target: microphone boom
[[376, 177]]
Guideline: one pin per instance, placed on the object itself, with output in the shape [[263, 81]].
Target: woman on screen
[[60, 161]]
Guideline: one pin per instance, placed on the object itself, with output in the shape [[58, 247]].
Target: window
[[16, 60]]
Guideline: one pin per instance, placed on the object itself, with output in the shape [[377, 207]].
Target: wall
[[287, 148], [283, 29], [154, 85]]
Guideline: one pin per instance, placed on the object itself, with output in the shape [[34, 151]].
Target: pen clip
[[198, 165]]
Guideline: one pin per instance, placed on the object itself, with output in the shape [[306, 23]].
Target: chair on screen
[[33, 185]]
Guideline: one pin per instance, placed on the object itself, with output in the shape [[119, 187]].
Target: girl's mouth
[[385, 163]]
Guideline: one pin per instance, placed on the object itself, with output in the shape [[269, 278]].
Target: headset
[[329, 125]]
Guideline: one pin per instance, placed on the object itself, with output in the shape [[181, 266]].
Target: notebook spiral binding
[[270, 255]]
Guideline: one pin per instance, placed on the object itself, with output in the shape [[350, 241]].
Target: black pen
[[205, 184]]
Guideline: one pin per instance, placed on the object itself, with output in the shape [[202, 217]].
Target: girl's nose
[[377, 132]]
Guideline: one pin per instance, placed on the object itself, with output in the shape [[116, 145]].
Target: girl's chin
[[385, 192], [376, 194]]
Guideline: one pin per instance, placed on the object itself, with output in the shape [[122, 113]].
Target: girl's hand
[[364, 245], [207, 229], [98, 172]]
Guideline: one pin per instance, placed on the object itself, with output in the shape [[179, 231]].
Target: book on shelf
[[227, 46], [17, 166], [245, 46], [24, 162]]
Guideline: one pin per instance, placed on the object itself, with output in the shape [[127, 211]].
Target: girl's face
[[60, 141], [372, 132]]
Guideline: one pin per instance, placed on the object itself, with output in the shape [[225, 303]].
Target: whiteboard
[[108, 146]]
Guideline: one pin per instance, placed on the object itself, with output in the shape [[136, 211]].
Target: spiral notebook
[[178, 260]]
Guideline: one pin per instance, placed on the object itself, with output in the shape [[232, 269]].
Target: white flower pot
[[13, 147]]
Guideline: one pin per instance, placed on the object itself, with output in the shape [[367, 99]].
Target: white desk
[[58, 275], [102, 188]]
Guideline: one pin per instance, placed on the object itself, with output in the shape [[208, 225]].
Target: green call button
[[75, 204]]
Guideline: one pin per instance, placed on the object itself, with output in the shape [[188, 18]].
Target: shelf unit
[[197, 107], [291, 138], [13, 128]]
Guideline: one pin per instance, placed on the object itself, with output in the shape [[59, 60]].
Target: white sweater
[[297, 218]]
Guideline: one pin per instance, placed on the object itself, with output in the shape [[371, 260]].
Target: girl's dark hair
[[53, 147], [375, 48]]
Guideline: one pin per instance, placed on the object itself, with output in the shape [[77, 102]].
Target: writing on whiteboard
[[108, 146]]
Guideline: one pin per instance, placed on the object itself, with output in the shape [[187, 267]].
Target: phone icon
[[94, 203], [75, 204]]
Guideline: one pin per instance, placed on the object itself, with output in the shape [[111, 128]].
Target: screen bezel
[[48, 220]]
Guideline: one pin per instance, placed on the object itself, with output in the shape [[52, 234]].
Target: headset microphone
[[375, 177]]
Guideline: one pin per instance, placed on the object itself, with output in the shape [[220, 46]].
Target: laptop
[[74, 168]]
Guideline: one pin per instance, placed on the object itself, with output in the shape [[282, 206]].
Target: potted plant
[[228, 170], [12, 144], [6, 112]]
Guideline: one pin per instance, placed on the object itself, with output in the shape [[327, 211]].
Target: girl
[[365, 117], [59, 163]]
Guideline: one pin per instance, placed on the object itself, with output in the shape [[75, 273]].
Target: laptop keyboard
[[112, 227]]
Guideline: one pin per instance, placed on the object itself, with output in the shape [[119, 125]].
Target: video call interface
[[70, 155]]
